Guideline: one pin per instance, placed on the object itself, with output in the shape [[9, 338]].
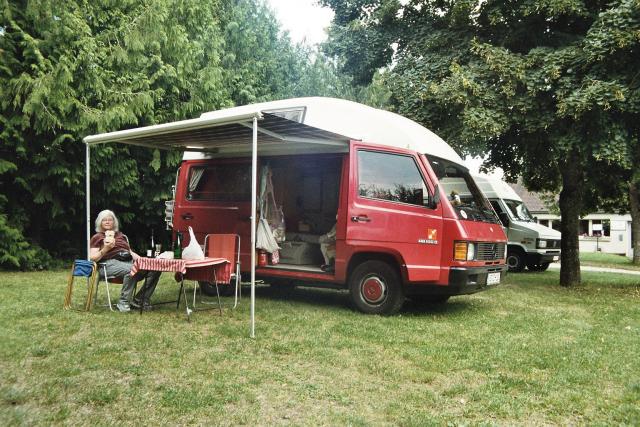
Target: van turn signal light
[[460, 251]]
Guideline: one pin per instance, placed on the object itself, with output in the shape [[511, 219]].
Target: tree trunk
[[571, 199], [634, 201]]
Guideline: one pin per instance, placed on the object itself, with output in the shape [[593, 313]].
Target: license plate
[[555, 258], [493, 278]]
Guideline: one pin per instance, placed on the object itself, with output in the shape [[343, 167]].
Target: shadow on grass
[[453, 306], [339, 299], [305, 295]]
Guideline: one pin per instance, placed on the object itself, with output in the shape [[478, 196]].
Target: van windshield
[[462, 191], [518, 210]]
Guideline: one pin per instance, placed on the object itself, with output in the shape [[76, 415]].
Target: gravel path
[[556, 266]]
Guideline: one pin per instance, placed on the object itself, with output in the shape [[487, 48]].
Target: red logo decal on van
[[432, 234]]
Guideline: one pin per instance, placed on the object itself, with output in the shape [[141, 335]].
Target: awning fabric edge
[[168, 128]]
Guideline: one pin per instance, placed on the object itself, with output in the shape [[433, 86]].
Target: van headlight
[[464, 251], [471, 251], [541, 243]]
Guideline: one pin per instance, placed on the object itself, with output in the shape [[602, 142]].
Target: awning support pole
[[254, 195], [87, 190]]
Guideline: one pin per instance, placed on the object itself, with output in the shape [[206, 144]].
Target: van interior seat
[[301, 249]]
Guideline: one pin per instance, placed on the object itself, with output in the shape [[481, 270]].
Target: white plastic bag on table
[[193, 250]]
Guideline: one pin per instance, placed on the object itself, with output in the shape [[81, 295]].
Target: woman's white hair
[[102, 215]]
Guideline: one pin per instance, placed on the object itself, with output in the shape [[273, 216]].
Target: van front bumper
[[473, 279], [542, 258], [462, 280]]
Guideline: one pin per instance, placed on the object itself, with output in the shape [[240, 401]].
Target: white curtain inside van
[[196, 176]]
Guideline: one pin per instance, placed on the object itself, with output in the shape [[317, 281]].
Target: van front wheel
[[375, 288], [515, 260]]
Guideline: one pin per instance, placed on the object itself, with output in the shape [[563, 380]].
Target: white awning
[[232, 132], [230, 135]]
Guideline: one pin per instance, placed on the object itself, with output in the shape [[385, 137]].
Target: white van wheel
[[515, 260], [375, 288]]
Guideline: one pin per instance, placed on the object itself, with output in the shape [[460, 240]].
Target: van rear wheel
[[375, 288], [209, 289], [538, 267]]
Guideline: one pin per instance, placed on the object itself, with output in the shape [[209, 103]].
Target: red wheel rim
[[373, 290]]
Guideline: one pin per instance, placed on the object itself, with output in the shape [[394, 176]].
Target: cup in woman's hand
[[109, 237]]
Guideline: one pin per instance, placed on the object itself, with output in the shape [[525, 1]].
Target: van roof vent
[[294, 114]]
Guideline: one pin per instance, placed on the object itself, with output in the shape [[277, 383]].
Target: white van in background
[[530, 244]]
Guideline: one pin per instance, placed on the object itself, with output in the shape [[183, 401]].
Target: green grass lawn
[[527, 352], [607, 260]]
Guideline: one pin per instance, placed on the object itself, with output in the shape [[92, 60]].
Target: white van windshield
[[518, 210], [462, 191]]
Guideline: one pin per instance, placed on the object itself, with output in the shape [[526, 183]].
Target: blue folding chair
[[81, 268]]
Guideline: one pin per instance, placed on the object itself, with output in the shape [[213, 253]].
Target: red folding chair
[[226, 246], [108, 280]]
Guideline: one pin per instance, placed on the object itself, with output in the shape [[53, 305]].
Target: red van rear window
[[220, 183]]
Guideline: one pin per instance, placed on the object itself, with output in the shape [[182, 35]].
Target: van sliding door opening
[[307, 188]]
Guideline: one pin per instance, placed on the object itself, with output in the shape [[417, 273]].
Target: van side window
[[392, 177], [220, 183], [496, 207]]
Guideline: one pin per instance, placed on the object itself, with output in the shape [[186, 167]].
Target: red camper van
[[388, 185]]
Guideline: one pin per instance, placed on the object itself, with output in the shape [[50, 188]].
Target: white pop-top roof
[[289, 126], [356, 121], [494, 188]]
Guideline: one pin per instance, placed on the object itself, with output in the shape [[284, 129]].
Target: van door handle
[[360, 218], [187, 216]]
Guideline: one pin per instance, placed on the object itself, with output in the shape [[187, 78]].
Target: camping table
[[217, 270]]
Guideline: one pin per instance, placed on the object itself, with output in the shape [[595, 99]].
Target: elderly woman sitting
[[110, 246]]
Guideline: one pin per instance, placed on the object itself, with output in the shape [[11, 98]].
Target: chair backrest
[[83, 268], [223, 246]]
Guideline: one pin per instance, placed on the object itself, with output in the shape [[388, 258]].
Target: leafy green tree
[[74, 68], [613, 53], [548, 89]]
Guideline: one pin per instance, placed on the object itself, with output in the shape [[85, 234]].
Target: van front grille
[[490, 251], [553, 244]]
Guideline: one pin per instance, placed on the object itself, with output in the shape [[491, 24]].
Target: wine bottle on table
[[152, 248], [177, 249]]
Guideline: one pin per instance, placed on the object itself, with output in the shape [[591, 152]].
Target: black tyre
[[430, 299], [515, 260], [209, 289], [538, 267], [375, 288]]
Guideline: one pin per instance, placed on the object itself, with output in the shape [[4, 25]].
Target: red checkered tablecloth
[[191, 269]]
